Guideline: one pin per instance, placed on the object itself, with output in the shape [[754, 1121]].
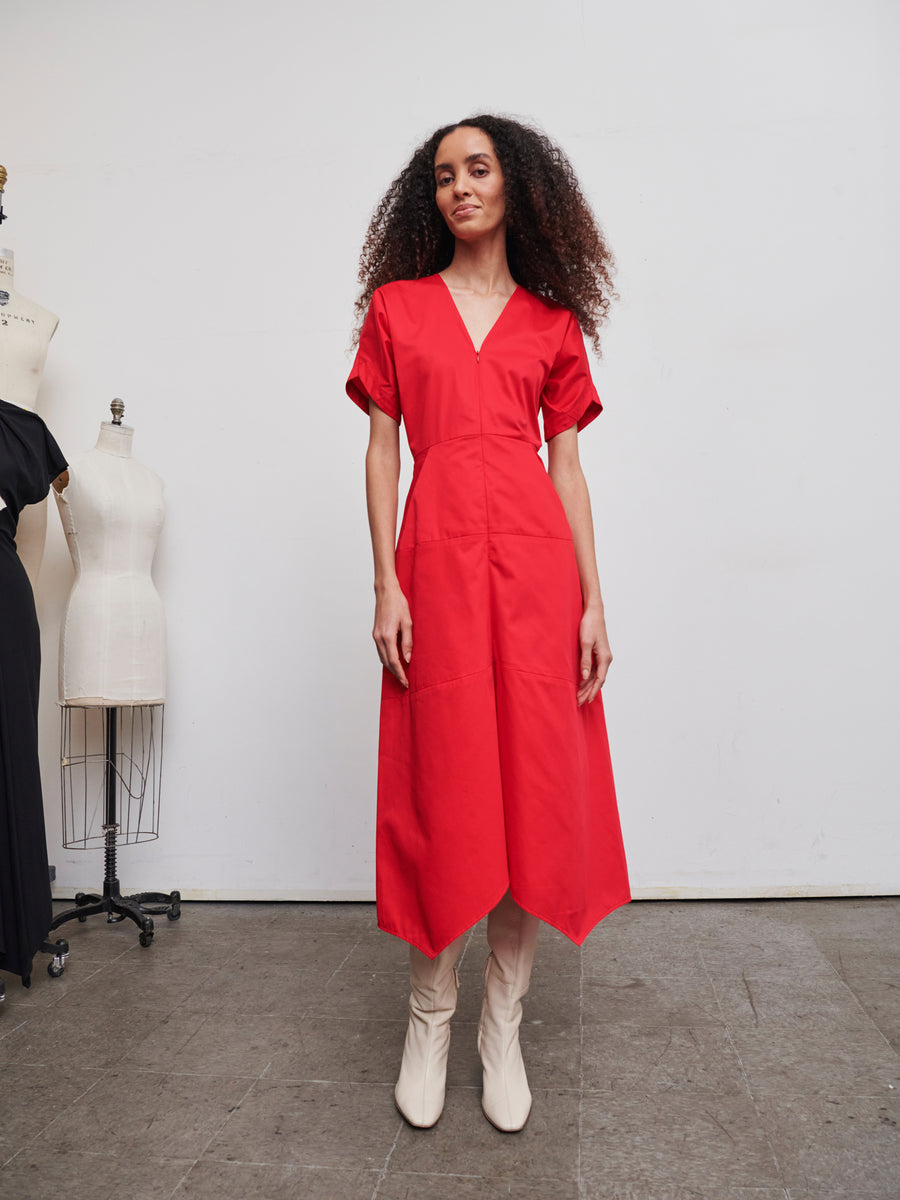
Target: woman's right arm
[[392, 632]]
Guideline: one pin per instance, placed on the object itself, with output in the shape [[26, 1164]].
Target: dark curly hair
[[554, 245]]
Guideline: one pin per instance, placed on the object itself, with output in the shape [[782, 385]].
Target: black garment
[[29, 461]]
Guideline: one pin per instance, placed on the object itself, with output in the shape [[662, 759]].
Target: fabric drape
[[489, 775], [29, 460]]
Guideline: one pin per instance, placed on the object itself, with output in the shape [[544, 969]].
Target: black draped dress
[[29, 461]]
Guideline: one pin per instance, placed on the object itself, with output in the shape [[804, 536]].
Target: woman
[[29, 460], [495, 792]]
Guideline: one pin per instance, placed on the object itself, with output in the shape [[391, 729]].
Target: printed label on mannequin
[[7, 317], [4, 297], [6, 267]]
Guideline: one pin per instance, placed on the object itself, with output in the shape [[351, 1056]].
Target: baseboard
[[365, 895]]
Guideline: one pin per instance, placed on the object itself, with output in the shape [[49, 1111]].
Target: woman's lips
[[464, 210]]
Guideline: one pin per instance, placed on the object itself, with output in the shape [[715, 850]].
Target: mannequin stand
[[116, 906], [142, 907], [60, 951]]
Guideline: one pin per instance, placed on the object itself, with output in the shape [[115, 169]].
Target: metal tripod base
[[137, 908]]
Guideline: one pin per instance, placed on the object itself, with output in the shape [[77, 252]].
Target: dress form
[[112, 667], [25, 333], [113, 637]]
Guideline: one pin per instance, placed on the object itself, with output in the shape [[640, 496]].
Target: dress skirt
[[25, 904]]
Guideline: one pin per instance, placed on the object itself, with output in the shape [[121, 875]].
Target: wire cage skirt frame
[[111, 775]]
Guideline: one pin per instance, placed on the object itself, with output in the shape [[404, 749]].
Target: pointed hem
[[577, 938]]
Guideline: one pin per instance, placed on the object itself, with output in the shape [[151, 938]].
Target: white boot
[[423, 1072], [512, 936]]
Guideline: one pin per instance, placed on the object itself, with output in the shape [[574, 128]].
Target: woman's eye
[[443, 180], [479, 171]]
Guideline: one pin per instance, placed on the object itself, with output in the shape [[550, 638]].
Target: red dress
[[489, 774]]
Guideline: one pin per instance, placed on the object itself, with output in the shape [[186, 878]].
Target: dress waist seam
[[472, 437], [483, 535]]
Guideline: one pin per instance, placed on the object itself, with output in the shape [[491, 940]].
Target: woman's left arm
[[568, 478]]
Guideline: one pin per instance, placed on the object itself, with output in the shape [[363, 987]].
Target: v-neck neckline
[[476, 349]]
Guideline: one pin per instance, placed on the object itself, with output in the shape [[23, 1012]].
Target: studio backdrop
[[189, 188]]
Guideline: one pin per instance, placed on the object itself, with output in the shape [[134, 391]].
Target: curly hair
[[554, 245]]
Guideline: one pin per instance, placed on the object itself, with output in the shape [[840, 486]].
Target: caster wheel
[[174, 914], [145, 938], [81, 918], [80, 898], [54, 971]]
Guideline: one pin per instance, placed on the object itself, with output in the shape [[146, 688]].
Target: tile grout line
[[25, 1145], [358, 942], [445, 1175], [44, 1008], [183, 1179], [744, 1075], [10, 1032], [214, 1135], [465, 949], [579, 1174], [849, 986], [383, 1172]]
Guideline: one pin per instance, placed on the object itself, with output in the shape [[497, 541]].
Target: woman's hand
[[393, 630], [595, 655]]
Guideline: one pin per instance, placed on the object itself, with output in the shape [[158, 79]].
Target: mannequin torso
[[113, 639], [25, 333]]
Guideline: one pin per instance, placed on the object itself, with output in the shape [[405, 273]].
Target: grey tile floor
[[689, 1051]]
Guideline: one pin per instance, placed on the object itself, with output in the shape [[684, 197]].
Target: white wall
[[189, 185]]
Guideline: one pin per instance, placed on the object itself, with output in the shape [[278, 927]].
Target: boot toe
[[417, 1113], [507, 1117]]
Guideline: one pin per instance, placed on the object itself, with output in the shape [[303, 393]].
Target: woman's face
[[469, 184]]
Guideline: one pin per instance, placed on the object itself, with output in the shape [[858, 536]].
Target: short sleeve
[[56, 460], [374, 376], [30, 459], [569, 396]]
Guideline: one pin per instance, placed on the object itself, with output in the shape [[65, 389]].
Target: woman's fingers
[[406, 638], [394, 647], [593, 675], [389, 653], [587, 661], [393, 632], [394, 665]]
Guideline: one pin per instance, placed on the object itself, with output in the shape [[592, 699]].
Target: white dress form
[[25, 333], [113, 637]]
